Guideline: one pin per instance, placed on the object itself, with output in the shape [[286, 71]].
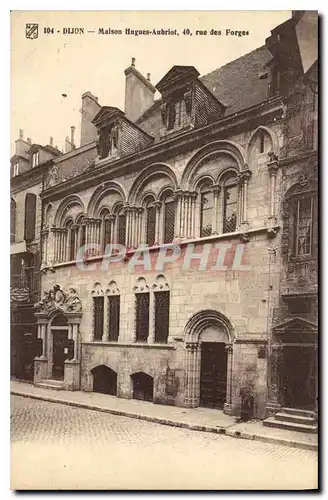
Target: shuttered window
[[30, 216], [98, 317], [142, 317], [162, 312], [151, 225], [114, 317]]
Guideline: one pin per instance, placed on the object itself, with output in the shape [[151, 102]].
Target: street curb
[[228, 431], [267, 439]]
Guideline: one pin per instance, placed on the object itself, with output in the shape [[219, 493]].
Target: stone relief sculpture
[[58, 299]]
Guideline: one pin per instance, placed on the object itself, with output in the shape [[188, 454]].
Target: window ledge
[[132, 344], [182, 242]]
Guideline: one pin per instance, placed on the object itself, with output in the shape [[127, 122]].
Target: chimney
[[90, 108], [139, 92], [72, 137], [22, 146], [51, 142], [29, 140]]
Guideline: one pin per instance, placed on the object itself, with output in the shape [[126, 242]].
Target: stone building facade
[[164, 237], [28, 165]]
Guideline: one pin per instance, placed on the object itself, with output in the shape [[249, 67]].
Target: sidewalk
[[200, 419]]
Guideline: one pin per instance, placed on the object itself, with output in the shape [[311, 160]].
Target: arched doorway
[[209, 337], [104, 380], [62, 346], [213, 367], [143, 386]]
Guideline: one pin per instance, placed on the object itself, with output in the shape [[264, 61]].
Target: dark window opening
[[104, 380], [143, 386], [169, 220], [230, 194], [206, 213], [171, 116], [30, 216], [261, 141], [142, 317], [162, 313], [114, 317], [107, 233], [304, 226], [121, 228], [98, 317], [151, 225]]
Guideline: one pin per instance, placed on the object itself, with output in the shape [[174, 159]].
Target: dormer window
[[16, 169], [35, 159]]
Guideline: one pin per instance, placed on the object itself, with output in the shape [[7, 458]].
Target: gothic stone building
[[204, 177]]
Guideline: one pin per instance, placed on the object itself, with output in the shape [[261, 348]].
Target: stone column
[[72, 366], [192, 370], [228, 404], [193, 214], [44, 236], [273, 378], [105, 336], [158, 206], [246, 175], [216, 223], [41, 362], [177, 229]]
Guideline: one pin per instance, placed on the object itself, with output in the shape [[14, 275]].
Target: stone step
[[296, 411], [290, 426], [297, 419], [56, 385]]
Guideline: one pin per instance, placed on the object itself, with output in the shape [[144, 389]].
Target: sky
[[45, 68]]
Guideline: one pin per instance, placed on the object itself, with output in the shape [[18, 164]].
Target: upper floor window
[[121, 225], [304, 226], [35, 159], [169, 217], [16, 169], [30, 216], [150, 222], [230, 197], [12, 220], [206, 209], [71, 241]]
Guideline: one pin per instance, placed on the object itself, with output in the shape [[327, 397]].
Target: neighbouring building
[[212, 178], [27, 169]]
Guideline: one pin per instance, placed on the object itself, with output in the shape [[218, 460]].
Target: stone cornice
[[170, 146]]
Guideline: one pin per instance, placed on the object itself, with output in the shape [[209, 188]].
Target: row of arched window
[[210, 209]]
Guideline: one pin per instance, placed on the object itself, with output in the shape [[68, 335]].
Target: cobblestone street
[[56, 446]]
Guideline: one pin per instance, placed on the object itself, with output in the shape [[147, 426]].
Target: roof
[[238, 84]]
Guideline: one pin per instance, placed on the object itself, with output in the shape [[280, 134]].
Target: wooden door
[[63, 349], [213, 375]]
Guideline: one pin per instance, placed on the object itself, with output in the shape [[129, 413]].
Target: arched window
[[106, 236], [206, 209], [230, 200], [168, 217], [150, 222], [161, 310], [71, 240], [12, 220], [121, 225]]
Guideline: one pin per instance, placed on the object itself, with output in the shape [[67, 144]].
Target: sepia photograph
[[164, 250]]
